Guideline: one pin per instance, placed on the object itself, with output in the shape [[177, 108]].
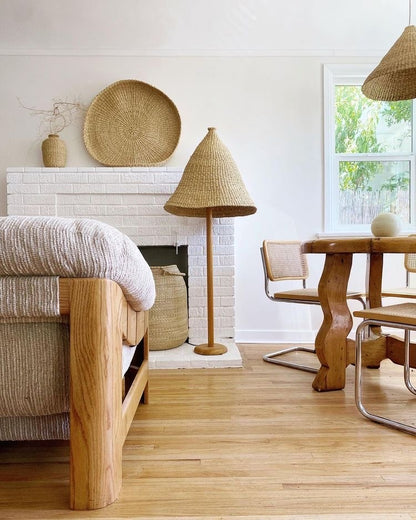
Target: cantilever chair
[[284, 260], [400, 316], [404, 292], [74, 295]]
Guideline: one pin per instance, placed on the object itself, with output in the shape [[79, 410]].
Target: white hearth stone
[[184, 357]]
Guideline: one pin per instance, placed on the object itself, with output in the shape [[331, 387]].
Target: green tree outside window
[[364, 126]]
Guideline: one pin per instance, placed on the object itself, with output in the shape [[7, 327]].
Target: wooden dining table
[[334, 349]]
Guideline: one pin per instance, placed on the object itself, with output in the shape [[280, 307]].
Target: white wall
[[251, 68]]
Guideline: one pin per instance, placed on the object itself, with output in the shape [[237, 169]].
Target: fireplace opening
[[169, 316], [167, 255]]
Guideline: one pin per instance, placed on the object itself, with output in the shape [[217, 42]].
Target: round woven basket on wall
[[131, 123], [168, 318]]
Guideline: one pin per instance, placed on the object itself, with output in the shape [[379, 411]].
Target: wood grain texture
[[64, 298], [332, 345], [136, 390], [95, 392], [395, 351], [394, 244], [336, 245], [373, 280], [100, 318], [331, 340], [253, 443]]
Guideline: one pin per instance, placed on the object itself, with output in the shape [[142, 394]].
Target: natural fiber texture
[[307, 295], [75, 248], [34, 341], [410, 262], [54, 151], [43, 427], [211, 180], [168, 318], [34, 375], [394, 78], [131, 123], [284, 260], [400, 313], [33, 296]]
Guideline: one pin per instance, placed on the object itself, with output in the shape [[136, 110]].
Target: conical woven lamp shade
[[211, 186], [394, 78], [211, 180]]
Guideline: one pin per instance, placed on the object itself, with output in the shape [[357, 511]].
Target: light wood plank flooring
[[252, 443]]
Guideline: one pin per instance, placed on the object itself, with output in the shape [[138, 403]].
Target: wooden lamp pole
[[210, 348]]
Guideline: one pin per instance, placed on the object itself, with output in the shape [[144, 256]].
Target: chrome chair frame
[[360, 332], [270, 358]]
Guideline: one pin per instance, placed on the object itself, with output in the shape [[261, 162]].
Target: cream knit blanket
[[75, 248]]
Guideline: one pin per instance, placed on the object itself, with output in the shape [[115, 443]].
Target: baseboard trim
[[275, 336]]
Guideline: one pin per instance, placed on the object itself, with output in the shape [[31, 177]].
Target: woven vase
[[54, 151], [168, 318]]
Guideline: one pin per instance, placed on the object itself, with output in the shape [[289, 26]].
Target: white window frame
[[347, 74]]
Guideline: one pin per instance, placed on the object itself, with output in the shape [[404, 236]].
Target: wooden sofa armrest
[[99, 318]]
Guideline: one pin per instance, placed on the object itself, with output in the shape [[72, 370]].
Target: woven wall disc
[[131, 123]]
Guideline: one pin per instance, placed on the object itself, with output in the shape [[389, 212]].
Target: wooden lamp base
[[214, 349]]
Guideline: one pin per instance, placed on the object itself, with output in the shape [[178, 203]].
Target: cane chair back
[[285, 261], [407, 291]]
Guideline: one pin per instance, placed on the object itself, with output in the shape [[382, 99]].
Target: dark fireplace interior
[[167, 255]]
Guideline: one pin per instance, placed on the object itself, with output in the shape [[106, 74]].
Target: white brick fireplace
[[132, 200]]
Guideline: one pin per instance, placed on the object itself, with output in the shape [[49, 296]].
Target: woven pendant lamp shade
[[211, 180], [394, 78]]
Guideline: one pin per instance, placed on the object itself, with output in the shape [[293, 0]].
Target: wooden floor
[[251, 443]]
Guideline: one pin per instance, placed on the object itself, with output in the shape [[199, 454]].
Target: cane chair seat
[[308, 295], [400, 292], [402, 313]]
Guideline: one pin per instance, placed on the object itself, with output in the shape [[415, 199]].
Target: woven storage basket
[[168, 318], [131, 123]]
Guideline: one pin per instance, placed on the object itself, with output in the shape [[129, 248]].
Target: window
[[369, 154]]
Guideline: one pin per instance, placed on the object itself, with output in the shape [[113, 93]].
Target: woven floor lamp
[[210, 187], [394, 78]]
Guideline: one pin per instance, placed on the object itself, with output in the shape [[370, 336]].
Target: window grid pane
[[368, 188], [373, 143]]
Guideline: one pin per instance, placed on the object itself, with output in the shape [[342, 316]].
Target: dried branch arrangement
[[61, 115]]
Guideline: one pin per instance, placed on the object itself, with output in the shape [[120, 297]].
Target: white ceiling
[[200, 26]]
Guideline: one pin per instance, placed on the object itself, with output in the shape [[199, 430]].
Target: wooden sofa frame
[[99, 318]]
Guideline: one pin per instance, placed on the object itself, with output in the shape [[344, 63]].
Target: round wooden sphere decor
[[386, 225]]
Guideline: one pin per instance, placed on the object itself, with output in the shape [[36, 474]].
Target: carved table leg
[[374, 277], [331, 340]]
